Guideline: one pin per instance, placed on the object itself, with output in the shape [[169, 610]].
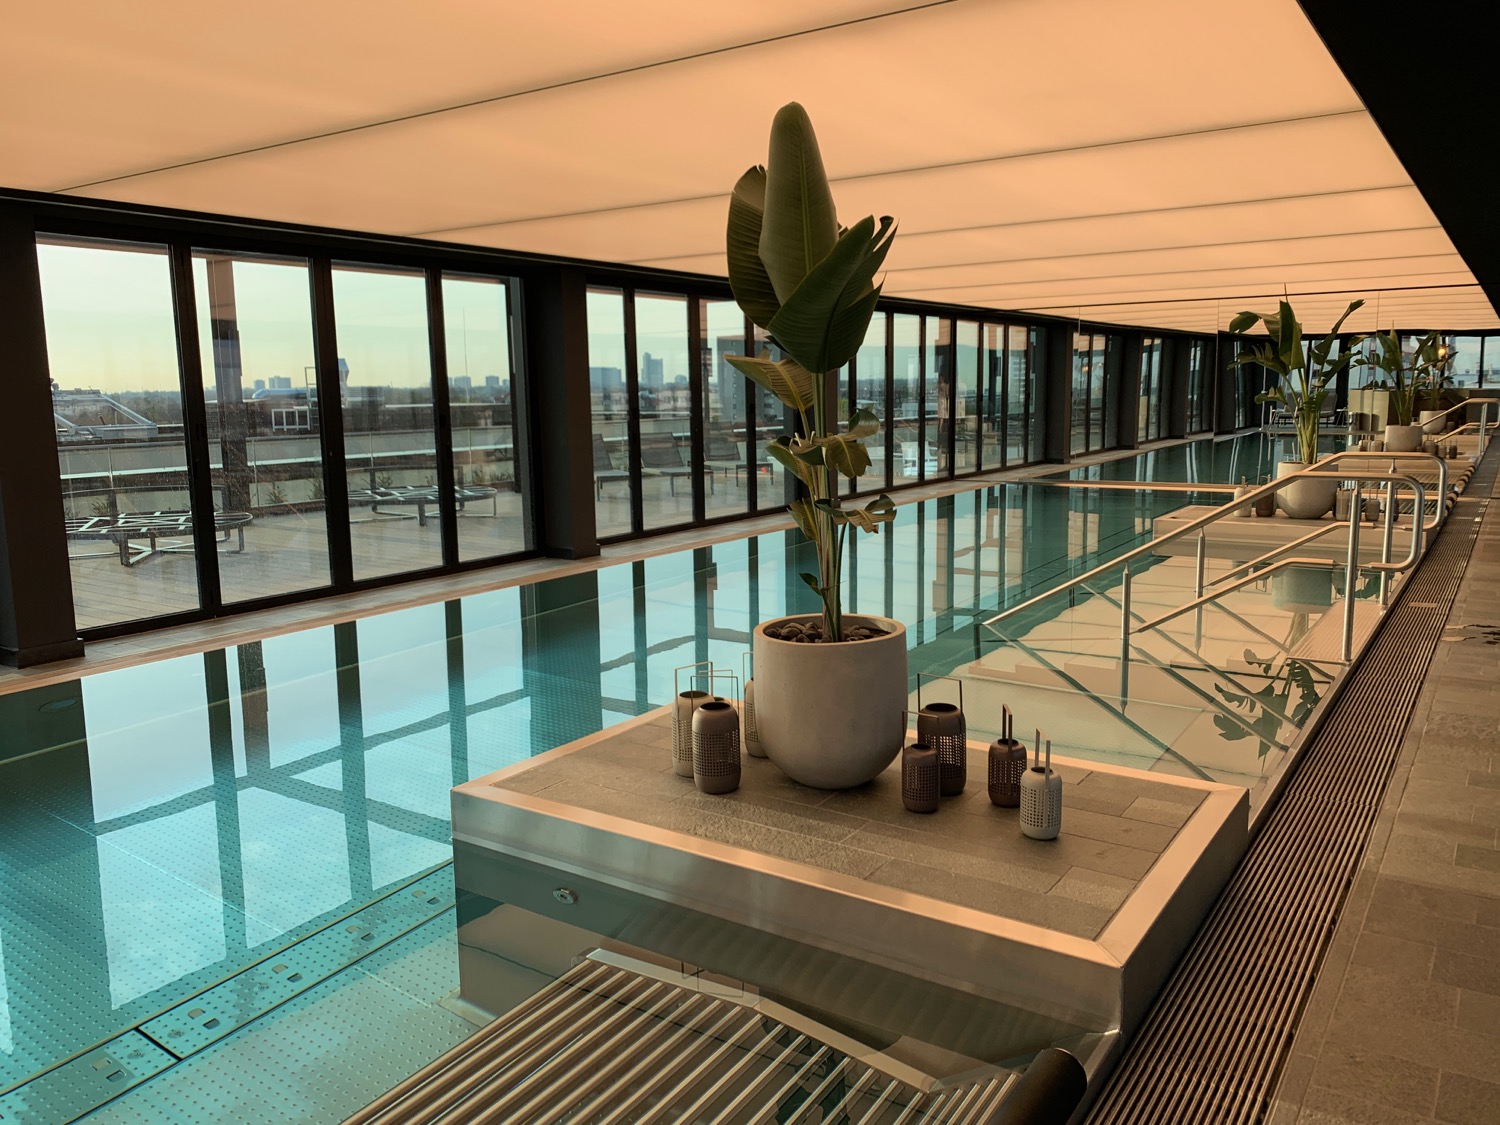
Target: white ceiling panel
[[1107, 152]]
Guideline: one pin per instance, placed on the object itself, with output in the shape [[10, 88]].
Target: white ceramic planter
[[1305, 499], [830, 715], [1403, 439], [1430, 416]]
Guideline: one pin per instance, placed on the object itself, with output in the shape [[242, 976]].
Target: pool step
[[607, 1044]]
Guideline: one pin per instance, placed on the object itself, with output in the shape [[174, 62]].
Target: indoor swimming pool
[[173, 827]]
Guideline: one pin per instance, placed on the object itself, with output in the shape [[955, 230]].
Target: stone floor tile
[[1477, 857], [1456, 829], [1422, 848], [1393, 954], [1467, 1101], [1479, 1012], [1463, 970], [1420, 900], [1400, 994], [1382, 1079], [1327, 1107], [1156, 811]]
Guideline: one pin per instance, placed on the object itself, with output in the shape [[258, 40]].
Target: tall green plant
[[1407, 382], [1302, 381], [810, 283], [1435, 364]]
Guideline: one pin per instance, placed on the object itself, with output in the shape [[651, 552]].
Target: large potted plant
[[1435, 361], [1301, 389], [830, 689], [1402, 382]]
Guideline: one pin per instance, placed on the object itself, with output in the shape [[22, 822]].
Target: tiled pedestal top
[[969, 853]]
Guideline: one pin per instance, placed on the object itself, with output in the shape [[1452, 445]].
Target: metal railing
[[1484, 418], [1275, 560]]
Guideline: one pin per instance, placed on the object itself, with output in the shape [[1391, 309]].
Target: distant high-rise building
[[280, 383], [651, 370], [259, 384], [492, 382], [461, 382], [605, 378]]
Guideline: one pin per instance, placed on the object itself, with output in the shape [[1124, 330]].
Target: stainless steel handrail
[[1227, 511], [1246, 568], [1442, 474], [1468, 402]]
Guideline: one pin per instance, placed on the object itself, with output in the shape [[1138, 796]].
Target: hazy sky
[[109, 321]]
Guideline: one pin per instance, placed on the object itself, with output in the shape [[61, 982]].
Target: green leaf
[[880, 510], [847, 457], [824, 322], [787, 379], [747, 273], [806, 520], [799, 227], [1244, 322], [863, 424], [812, 583], [791, 461]]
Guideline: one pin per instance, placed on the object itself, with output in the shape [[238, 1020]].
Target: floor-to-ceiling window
[[996, 404], [965, 406], [870, 393], [724, 411], [255, 338], [1148, 405], [906, 406], [1198, 412], [609, 404], [390, 436], [117, 400], [483, 401], [935, 425], [664, 393]]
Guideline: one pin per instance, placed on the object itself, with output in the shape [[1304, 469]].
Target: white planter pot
[[1305, 499], [1403, 439], [830, 715], [1302, 590], [1430, 416]]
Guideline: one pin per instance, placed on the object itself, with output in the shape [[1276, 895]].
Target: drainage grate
[[607, 1045], [1212, 1047]]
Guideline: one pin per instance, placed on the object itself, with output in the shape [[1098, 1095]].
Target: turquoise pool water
[[168, 825]]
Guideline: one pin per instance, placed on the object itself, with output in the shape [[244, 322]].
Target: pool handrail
[[1226, 511]]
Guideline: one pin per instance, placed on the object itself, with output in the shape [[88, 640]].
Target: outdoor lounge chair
[[661, 454], [604, 468], [722, 452]]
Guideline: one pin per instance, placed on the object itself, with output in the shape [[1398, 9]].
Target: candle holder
[[921, 778], [1041, 797], [684, 703], [747, 709], [942, 726], [1007, 764], [716, 747]]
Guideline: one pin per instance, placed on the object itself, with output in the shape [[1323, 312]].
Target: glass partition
[[121, 445], [482, 408], [390, 442], [264, 422], [906, 407], [937, 398], [870, 391], [996, 408]]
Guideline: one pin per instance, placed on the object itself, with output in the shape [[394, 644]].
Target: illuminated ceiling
[[1106, 159]]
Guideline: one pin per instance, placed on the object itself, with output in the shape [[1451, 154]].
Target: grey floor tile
[[1394, 954], [1468, 1101], [1383, 1079]]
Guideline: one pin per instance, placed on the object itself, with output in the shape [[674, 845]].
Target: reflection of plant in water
[[1261, 711]]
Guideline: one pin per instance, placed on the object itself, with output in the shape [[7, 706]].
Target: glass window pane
[[667, 477], [1464, 366], [966, 400], [937, 395], [993, 423], [906, 409], [261, 395], [609, 396], [771, 420], [1103, 372], [726, 408], [390, 447], [1036, 378], [869, 392], [481, 377], [117, 400], [1079, 432]]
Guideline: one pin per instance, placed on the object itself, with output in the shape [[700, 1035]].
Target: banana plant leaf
[[799, 226]]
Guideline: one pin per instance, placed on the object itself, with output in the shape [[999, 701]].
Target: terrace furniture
[[163, 531], [722, 452], [420, 495], [604, 468], [661, 455], [910, 452]]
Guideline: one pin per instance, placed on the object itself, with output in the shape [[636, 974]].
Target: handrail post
[[1125, 637], [1351, 570], [1198, 591], [1387, 535]]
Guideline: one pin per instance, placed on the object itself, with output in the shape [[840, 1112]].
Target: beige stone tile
[[1386, 953], [1379, 1078], [1468, 1101]]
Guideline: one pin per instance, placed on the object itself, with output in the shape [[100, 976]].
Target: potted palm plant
[[1436, 363], [830, 688], [1402, 382], [1302, 378]]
